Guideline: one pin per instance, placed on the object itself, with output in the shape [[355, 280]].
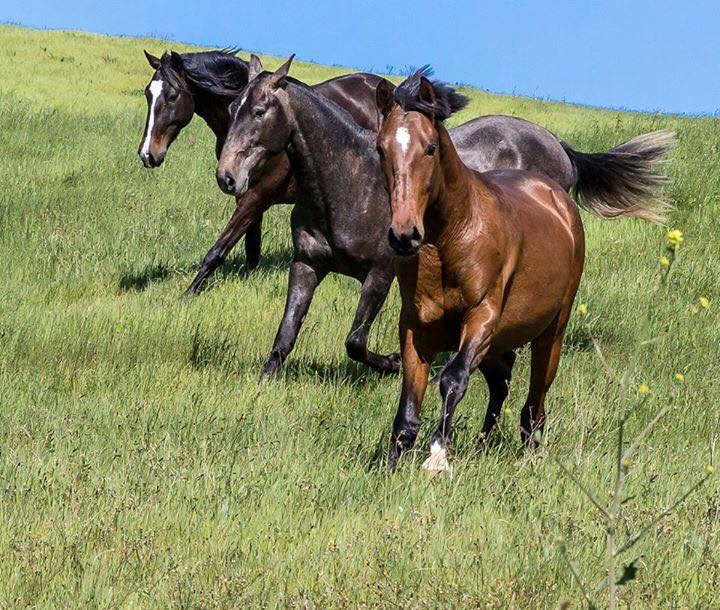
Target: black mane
[[216, 72], [447, 100]]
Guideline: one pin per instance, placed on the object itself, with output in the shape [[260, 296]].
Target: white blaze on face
[[155, 90], [402, 137]]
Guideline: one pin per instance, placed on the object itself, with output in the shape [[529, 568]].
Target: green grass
[[142, 466]]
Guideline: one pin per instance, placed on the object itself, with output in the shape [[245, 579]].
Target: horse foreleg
[[416, 369], [253, 244], [374, 292], [303, 281], [248, 212], [476, 335]]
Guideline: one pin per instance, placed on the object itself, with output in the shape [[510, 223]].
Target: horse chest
[[431, 291]]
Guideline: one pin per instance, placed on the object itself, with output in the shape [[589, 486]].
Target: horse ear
[[254, 67], [426, 93], [176, 61], [279, 75], [384, 97], [152, 60]]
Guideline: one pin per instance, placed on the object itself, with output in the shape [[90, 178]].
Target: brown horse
[[486, 262]]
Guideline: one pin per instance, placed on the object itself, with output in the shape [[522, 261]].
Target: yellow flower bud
[[709, 469], [674, 238], [664, 262], [704, 302], [679, 377], [582, 309]]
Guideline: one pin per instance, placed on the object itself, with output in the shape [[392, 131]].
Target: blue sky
[[632, 54]]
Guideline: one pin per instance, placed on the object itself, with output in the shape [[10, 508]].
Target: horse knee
[[213, 259], [454, 380]]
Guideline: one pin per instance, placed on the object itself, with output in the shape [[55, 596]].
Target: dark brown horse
[[486, 263], [205, 84]]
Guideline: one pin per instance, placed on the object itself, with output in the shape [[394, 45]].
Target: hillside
[[142, 466]]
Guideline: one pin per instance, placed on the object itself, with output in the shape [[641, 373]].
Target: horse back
[[354, 93], [531, 199], [505, 142]]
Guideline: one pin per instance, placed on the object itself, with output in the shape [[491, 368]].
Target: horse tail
[[624, 181]]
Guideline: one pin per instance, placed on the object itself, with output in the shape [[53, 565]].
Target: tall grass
[[142, 466]]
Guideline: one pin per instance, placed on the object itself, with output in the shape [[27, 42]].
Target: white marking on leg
[[155, 90], [437, 462], [402, 137]]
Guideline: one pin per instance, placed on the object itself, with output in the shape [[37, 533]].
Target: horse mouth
[[241, 189], [405, 250]]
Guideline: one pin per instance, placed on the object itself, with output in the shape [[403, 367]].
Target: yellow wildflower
[[643, 389], [709, 469], [582, 309], [679, 377], [664, 262], [674, 238], [704, 302]]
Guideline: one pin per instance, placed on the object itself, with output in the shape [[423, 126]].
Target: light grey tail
[[625, 180]]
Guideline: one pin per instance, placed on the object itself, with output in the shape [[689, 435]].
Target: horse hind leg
[[545, 357], [497, 373]]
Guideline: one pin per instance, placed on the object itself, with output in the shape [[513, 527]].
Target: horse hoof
[[392, 364], [270, 372], [437, 462], [532, 441]]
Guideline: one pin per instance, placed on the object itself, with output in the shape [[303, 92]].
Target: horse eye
[[430, 150], [258, 113]]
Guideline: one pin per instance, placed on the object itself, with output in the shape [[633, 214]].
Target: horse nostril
[[416, 234], [226, 182]]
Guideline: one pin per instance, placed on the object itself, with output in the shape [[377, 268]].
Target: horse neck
[[323, 141], [213, 109], [451, 208]]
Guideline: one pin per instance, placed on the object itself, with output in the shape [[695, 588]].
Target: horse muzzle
[[233, 177], [231, 185], [406, 242], [149, 160]]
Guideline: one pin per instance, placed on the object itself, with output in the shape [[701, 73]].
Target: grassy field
[[142, 466]]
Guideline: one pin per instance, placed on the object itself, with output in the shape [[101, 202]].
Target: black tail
[[624, 181]]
